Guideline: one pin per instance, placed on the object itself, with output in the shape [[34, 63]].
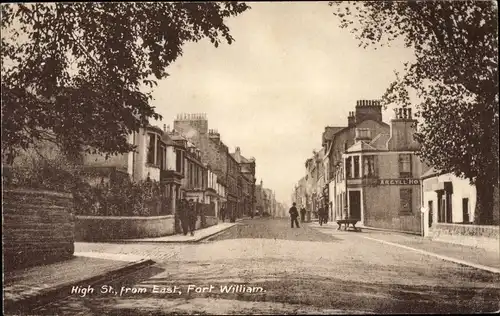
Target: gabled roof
[[242, 158], [431, 173], [167, 140], [330, 132], [361, 146]]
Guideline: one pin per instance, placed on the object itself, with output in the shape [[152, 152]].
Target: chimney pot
[[164, 127]]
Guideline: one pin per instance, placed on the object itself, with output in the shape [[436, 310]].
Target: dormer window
[[363, 134]]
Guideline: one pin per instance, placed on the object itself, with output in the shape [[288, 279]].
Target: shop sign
[[399, 181]]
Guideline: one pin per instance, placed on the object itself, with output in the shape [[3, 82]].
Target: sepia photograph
[[250, 158]]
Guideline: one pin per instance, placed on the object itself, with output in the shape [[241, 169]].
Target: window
[[369, 166], [348, 167], [465, 210], [151, 148], [405, 196], [356, 167], [405, 165], [161, 156], [178, 161], [431, 212]]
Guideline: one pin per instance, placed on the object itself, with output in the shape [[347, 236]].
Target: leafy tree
[[76, 74], [455, 76]]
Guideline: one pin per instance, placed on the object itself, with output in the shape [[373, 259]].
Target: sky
[[290, 72]]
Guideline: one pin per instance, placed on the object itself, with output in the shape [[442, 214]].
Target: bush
[[32, 170], [51, 170], [122, 199]]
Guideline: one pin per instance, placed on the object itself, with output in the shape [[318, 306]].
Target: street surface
[[292, 271]]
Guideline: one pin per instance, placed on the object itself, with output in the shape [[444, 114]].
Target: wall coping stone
[[494, 227], [35, 192], [124, 217]]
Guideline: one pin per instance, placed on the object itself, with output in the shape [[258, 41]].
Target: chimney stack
[[403, 127], [351, 120], [368, 110]]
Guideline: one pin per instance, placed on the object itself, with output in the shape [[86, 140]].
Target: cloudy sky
[[291, 72]]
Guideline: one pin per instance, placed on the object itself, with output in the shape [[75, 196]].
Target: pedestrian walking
[[303, 214], [294, 214], [192, 217]]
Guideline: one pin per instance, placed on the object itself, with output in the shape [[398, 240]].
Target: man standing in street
[[303, 214], [321, 215], [183, 215], [192, 217], [223, 214], [293, 215]]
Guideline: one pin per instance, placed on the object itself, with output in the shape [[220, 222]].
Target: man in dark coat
[[323, 217], [303, 214], [192, 217], [293, 215], [183, 216], [223, 213]]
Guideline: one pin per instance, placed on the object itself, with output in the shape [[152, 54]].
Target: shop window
[[405, 165], [405, 196], [151, 148]]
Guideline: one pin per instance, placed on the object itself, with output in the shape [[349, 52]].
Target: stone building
[[146, 162], [214, 152], [450, 199], [247, 181], [378, 182], [337, 139]]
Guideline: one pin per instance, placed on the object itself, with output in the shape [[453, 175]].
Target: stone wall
[[106, 228], [492, 231], [38, 227], [480, 236], [102, 228]]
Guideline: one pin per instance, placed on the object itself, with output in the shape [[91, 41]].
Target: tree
[[455, 75], [75, 74]]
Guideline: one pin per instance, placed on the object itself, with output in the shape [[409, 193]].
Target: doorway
[[355, 205]]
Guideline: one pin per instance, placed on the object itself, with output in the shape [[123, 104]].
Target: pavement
[[199, 235], [477, 257], [26, 288]]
